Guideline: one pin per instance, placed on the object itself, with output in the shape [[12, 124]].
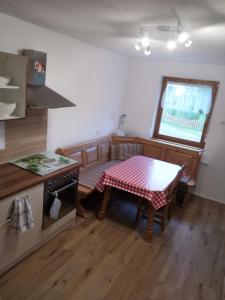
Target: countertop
[[14, 179]]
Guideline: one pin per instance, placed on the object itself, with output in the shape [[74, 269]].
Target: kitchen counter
[[14, 179], [15, 182]]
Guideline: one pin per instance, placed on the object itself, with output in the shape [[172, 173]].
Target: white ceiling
[[114, 24]]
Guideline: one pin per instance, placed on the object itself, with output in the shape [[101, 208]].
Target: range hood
[[44, 97], [38, 94]]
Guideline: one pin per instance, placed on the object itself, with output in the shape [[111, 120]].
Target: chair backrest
[[174, 184]]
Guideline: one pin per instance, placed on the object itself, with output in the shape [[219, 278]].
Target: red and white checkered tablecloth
[[142, 176]]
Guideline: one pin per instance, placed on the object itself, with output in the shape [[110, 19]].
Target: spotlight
[[147, 51], [182, 37], [145, 41], [188, 43], [137, 46], [171, 45]]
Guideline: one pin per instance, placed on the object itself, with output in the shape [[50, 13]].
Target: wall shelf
[[10, 87], [5, 118], [14, 66]]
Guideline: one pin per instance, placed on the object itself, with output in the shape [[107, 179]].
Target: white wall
[[95, 78], [141, 101], [91, 77]]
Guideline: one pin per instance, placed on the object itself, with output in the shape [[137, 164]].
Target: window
[[184, 110]]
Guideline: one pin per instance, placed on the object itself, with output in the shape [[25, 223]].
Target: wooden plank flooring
[[110, 260]]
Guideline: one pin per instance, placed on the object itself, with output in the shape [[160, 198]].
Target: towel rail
[[5, 222]]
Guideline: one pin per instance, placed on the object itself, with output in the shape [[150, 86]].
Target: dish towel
[[55, 208], [22, 217]]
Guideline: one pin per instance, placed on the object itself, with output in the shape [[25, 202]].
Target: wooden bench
[[99, 154], [90, 155], [95, 156]]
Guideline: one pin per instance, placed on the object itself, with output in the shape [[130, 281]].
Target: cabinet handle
[[6, 221]]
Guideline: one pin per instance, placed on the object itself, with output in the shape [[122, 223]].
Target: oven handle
[[55, 193]]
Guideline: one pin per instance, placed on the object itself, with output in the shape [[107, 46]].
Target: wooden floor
[[110, 260]]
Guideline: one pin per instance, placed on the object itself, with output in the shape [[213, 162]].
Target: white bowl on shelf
[[4, 80], [6, 109]]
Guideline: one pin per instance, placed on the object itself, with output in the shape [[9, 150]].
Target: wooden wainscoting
[[25, 136]]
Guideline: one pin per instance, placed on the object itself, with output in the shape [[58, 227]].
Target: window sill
[[182, 146]]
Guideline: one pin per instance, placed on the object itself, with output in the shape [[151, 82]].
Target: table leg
[[149, 230], [104, 205], [164, 216]]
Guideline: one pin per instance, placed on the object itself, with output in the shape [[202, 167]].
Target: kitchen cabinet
[[17, 182], [15, 67], [13, 246]]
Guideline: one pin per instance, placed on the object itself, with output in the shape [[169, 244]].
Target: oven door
[[67, 194]]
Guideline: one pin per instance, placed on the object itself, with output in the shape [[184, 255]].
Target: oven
[[65, 187]]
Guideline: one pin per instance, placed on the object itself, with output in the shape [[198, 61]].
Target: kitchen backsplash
[[25, 136]]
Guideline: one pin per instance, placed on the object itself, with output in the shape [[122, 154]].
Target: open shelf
[[10, 87], [14, 66], [3, 118]]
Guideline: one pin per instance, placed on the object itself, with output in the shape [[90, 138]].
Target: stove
[[43, 163]]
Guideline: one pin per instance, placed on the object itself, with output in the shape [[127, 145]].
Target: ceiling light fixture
[[180, 36]]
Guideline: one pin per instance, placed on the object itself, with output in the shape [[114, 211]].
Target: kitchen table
[[143, 176]]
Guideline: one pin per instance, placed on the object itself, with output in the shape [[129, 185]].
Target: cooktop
[[43, 163]]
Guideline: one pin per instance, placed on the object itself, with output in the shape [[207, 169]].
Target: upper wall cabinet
[[13, 70]]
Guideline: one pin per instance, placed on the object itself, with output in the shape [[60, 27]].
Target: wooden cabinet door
[[14, 246]]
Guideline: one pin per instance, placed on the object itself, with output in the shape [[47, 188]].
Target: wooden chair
[[163, 214]]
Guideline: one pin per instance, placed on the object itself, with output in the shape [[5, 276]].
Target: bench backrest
[[99, 150], [90, 153], [169, 152]]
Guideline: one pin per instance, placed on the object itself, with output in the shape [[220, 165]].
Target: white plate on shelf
[[6, 109], [4, 80]]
